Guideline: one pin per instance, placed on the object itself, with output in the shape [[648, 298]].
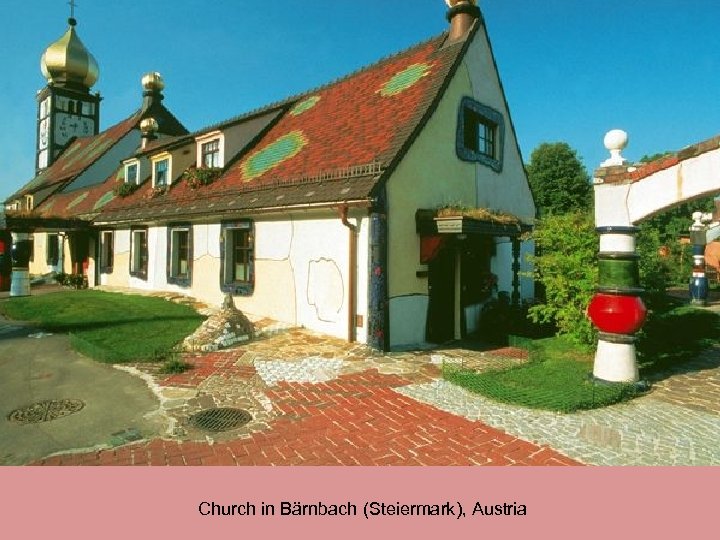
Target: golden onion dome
[[148, 126], [68, 61], [153, 82], [453, 3]]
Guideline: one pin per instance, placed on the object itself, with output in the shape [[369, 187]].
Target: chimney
[[148, 130], [153, 86], [461, 16]]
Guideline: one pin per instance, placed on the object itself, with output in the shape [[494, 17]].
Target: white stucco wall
[[301, 270], [38, 264], [431, 175]]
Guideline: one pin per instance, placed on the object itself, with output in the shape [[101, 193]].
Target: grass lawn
[[109, 327], [556, 377]]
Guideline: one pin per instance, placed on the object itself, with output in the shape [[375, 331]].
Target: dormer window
[[210, 150], [161, 170], [210, 153], [132, 172], [28, 202]]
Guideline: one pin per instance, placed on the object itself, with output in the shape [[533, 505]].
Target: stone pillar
[[698, 280], [616, 309], [515, 297], [20, 279]]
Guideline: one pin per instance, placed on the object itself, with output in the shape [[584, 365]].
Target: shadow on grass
[[70, 328], [673, 342]]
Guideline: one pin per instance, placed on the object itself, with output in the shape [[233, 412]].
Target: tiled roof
[[326, 139], [83, 203], [360, 119], [81, 153]]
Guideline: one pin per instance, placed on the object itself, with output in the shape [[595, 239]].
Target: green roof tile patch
[[404, 79], [304, 105], [49, 206], [102, 201], [77, 200], [275, 153]]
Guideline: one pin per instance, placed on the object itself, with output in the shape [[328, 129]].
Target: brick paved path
[[357, 418]]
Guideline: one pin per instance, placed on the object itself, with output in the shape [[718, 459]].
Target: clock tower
[[66, 108]]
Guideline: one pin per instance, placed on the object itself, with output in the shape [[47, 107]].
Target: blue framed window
[[179, 255], [237, 253], [480, 134]]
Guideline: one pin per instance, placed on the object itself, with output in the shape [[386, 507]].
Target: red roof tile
[[81, 153], [328, 135]]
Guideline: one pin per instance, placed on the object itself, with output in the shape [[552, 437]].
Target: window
[[162, 170], [131, 173], [138, 253], [210, 153], [106, 252], [52, 251], [480, 134], [31, 248], [237, 251], [179, 255]]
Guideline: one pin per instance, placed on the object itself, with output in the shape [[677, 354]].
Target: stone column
[[616, 309], [698, 280], [20, 279]]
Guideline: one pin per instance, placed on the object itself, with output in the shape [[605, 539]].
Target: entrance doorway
[[79, 252], [441, 306]]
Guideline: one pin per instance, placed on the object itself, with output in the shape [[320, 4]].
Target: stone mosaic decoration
[[77, 200], [404, 79], [304, 105], [275, 153], [102, 201], [308, 370]]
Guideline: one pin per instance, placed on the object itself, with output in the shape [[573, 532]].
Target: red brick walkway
[[355, 420]]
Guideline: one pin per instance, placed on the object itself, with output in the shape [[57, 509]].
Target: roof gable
[[79, 155], [361, 119]]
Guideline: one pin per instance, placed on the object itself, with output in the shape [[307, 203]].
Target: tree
[[558, 179], [567, 268]]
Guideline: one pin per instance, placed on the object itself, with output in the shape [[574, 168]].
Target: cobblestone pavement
[[677, 423], [318, 401], [315, 400]]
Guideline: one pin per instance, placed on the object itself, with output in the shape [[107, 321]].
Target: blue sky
[[572, 69]]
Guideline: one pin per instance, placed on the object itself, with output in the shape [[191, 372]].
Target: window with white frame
[[210, 154], [210, 151], [132, 172], [238, 257], [107, 251], [138, 253], [161, 171], [180, 254]]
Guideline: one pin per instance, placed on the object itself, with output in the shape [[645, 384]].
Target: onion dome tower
[[66, 107]]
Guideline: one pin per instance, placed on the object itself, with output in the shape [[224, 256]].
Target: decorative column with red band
[[617, 309]]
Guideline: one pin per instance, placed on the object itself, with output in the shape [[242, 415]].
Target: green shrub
[[566, 268]]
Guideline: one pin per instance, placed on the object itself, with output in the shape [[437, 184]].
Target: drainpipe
[[352, 270]]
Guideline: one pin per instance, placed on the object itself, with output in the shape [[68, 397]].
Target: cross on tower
[[72, 8]]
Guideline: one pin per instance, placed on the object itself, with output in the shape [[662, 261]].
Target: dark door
[[79, 251], [441, 308]]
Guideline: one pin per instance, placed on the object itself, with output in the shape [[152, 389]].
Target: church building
[[385, 207]]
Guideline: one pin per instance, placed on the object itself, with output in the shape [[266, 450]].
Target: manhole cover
[[221, 419], [44, 411]]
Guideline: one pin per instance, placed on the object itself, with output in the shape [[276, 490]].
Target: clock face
[[43, 135], [73, 126]]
